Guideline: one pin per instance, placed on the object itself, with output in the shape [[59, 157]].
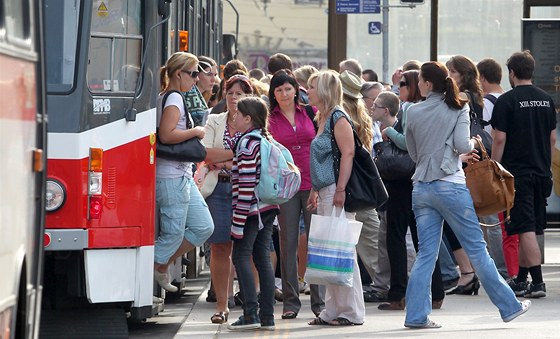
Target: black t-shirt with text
[[527, 115]]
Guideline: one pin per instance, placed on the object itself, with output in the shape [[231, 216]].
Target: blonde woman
[[344, 306], [185, 221]]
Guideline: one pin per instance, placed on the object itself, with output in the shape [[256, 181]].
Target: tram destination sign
[[357, 6], [542, 38]]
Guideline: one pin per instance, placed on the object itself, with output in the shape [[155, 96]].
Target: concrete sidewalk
[[460, 316]]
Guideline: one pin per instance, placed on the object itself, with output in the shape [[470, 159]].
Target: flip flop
[[341, 322], [318, 321], [219, 317]]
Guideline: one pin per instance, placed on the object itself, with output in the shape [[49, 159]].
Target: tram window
[[115, 46], [17, 19], [61, 39], [116, 16]]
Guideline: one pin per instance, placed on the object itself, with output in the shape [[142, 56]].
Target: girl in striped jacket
[[252, 221]]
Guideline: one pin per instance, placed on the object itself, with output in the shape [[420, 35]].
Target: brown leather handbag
[[490, 184]]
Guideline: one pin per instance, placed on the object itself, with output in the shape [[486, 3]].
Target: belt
[[224, 177]]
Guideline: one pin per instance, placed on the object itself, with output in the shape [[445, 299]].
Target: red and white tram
[[103, 59]]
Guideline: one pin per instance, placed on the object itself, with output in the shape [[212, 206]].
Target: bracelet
[[340, 190]]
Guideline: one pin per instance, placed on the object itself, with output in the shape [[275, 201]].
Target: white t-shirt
[[487, 111], [169, 168]]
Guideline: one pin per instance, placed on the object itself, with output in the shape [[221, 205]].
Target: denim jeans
[[256, 244], [432, 202], [183, 214]]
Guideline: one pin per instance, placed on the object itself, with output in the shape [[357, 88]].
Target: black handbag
[[477, 124], [392, 162], [191, 150], [365, 189]]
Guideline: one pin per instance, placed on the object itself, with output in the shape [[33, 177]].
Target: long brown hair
[[257, 109], [411, 78], [469, 76], [436, 73]]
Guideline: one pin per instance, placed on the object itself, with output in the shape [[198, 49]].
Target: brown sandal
[[317, 321], [219, 317]]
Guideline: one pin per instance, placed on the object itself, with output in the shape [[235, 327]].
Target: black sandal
[[341, 322], [318, 321], [219, 317], [289, 315]]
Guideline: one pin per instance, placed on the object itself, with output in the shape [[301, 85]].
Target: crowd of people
[[425, 242]]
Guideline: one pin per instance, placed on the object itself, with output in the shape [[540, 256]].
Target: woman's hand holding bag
[[490, 184]]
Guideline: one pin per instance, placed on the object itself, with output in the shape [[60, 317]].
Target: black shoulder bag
[[392, 162], [365, 189], [477, 127], [191, 150]]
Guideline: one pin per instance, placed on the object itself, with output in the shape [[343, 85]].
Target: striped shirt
[[244, 179]]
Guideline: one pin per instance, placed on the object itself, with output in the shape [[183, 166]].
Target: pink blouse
[[297, 141]]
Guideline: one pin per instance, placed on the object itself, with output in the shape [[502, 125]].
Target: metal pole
[[434, 30], [385, 31]]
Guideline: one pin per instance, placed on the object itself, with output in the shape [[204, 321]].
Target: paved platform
[[460, 316]]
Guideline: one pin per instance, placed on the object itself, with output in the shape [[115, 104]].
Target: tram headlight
[[55, 195]]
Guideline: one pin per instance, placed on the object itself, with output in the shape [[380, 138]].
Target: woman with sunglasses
[[220, 139], [185, 221]]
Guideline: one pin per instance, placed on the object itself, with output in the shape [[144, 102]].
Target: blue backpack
[[280, 178]]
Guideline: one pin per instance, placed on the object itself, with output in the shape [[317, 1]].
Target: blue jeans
[[256, 243], [183, 214], [433, 202]]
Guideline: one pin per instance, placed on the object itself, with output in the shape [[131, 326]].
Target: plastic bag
[[331, 249]]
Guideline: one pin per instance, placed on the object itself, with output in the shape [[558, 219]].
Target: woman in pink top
[[291, 126]]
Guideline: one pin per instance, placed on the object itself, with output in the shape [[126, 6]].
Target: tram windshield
[[61, 22]]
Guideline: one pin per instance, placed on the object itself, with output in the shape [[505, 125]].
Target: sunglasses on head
[[193, 74], [403, 84], [203, 65]]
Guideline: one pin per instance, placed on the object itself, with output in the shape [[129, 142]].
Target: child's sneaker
[[536, 291], [268, 325], [245, 323]]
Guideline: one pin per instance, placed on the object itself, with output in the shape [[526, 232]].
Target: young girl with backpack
[[252, 219]]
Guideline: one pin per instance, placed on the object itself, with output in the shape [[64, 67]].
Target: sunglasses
[[193, 74], [403, 84]]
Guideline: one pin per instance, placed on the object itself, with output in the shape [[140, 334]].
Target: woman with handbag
[[185, 221], [220, 139], [291, 126], [440, 193], [343, 305]]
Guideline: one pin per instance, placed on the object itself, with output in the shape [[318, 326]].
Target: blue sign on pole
[[374, 27], [357, 6]]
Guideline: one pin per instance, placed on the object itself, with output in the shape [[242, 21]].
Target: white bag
[[331, 249]]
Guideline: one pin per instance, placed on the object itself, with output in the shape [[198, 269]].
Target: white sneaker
[[525, 304], [162, 279], [303, 285]]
